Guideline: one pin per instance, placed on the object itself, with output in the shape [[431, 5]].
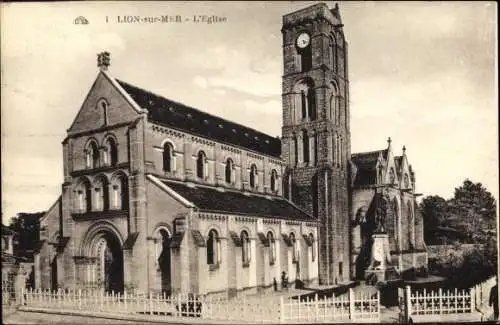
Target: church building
[[160, 196]]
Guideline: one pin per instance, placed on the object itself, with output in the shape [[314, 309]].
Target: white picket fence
[[242, 309], [439, 302], [351, 307], [482, 292]]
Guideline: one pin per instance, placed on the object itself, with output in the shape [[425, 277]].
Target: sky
[[422, 73]]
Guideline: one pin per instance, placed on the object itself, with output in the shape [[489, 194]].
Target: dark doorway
[[113, 265], [53, 274], [164, 262]]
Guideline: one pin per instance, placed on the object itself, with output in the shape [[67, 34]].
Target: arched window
[[83, 198], [305, 146], [293, 241], [229, 171], [245, 248], [334, 54], [313, 247], [272, 248], [335, 105], [395, 211], [411, 226], [168, 157], [92, 155], [111, 152], [380, 174], [336, 149], [303, 103], [213, 244], [392, 176], [119, 193], [274, 179], [101, 194], [406, 180], [201, 165], [253, 176], [341, 151], [305, 100], [102, 105], [296, 149]]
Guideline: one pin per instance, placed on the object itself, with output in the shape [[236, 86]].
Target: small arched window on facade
[[392, 176], [245, 248], [272, 248], [305, 100], [201, 165], [119, 196], [253, 176], [101, 194], [229, 171], [103, 107], [168, 157], [111, 152], [92, 155], [380, 174], [333, 54], [406, 181], [411, 226], [313, 247], [83, 196], [213, 244], [305, 146], [395, 211], [335, 105], [293, 241], [274, 181]]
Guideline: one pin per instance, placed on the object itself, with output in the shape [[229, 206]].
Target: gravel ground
[[23, 317]]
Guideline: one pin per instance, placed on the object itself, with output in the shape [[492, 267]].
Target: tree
[[469, 217], [27, 227], [475, 210]]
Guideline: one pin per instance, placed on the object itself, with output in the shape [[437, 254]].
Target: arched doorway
[[107, 250], [53, 273], [163, 254]]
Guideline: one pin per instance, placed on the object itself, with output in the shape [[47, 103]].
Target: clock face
[[303, 40]]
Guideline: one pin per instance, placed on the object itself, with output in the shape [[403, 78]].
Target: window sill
[[246, 264], [271, 263], [213, 267]]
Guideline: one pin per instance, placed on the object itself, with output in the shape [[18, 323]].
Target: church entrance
[[53, 273], [109, 262], [163, 248]]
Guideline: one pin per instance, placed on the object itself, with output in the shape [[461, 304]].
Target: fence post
[[351, 303], [316, 307], [472, 299], [407, 302], [21, 300], [282, 310]]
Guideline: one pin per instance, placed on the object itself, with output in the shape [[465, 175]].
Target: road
[[23, 317]]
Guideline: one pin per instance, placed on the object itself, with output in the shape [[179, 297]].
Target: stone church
[[165, 197]]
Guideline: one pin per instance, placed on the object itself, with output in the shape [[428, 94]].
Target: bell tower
[[316, 141]]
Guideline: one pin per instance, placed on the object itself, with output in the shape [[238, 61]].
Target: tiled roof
[[366, 163], [211, 200], [169, 113]]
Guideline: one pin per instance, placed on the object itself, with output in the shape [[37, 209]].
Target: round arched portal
[[104, 246], [163, 238]]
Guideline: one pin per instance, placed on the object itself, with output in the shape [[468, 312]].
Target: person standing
[[494, 300]]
